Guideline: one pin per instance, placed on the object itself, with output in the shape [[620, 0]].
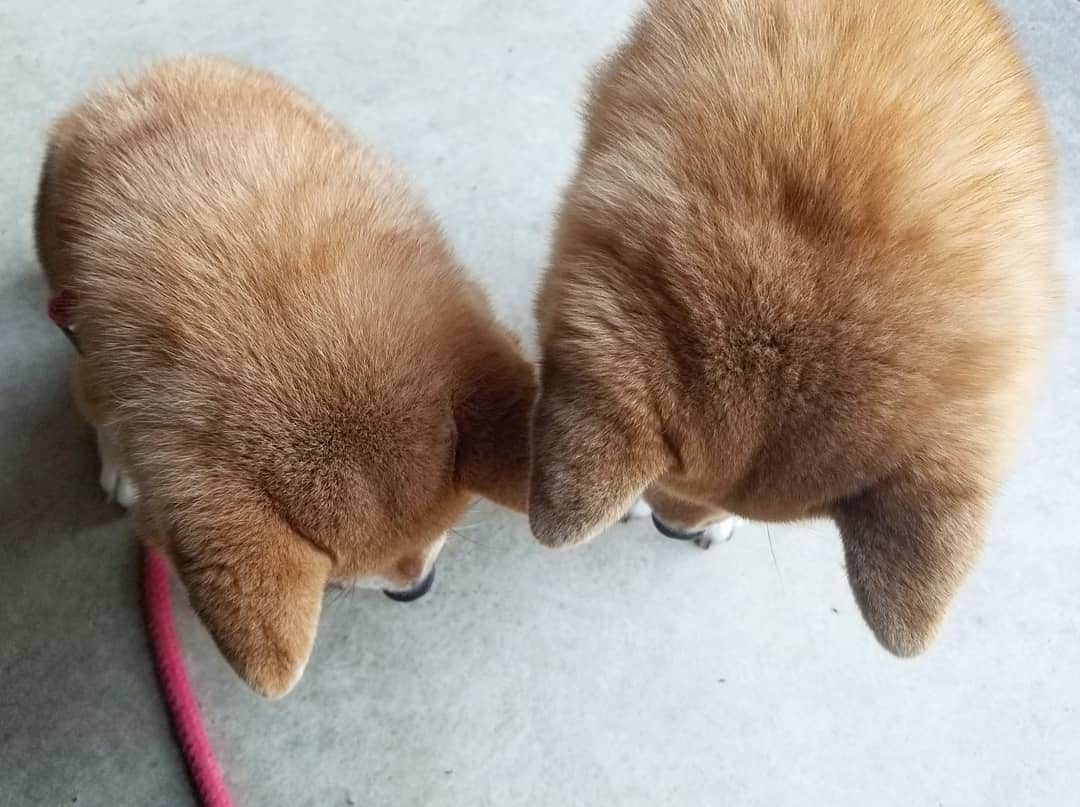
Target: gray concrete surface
[[635, 671]]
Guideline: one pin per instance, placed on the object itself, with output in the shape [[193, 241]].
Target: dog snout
[[671, 532], [415, 591]]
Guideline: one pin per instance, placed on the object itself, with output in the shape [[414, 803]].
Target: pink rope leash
[[175, 686]]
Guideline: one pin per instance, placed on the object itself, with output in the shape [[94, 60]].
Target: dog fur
[[805, 268], [297, 376]]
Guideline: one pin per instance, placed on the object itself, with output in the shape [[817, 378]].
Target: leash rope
[[164, 641], [176, 687]]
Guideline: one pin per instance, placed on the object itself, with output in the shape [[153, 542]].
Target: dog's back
[[183, 224], [806, 267]]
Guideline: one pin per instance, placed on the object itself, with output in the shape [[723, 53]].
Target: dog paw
[[114, 481], [723, 530], [117, 485], [637, 510], [719, 532]]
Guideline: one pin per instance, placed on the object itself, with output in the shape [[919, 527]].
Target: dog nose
[[671, 532], [414, 593]]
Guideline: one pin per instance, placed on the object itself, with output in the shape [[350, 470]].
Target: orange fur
[[300, 379], [804, 268]]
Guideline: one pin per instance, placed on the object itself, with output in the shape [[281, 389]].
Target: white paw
[[117, 485], [126, 492], [723, 529], [114, 481], [637, 510]]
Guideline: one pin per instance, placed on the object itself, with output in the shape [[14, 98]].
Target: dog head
[[772, 404], [342, 450]]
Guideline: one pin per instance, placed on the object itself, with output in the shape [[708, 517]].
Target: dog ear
[[909, 542], [591, 459], [258, 588], [492, 418]]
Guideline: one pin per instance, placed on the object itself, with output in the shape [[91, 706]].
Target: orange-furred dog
[[289, 374], [804, 268]]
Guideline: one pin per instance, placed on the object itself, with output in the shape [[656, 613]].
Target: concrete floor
[[634, 671]]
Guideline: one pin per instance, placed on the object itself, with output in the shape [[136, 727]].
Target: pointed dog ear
[[591, 459], [909, 543], [258, 588], [498, 386]]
